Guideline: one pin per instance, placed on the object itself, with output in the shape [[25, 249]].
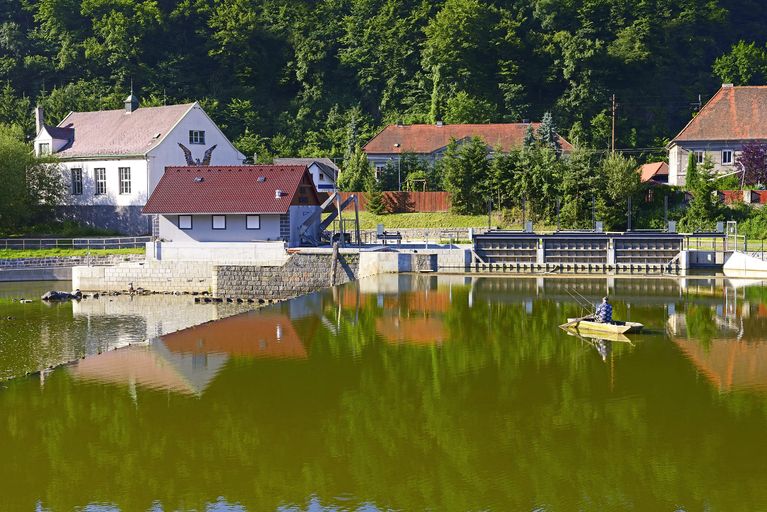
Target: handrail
[[75, 243]]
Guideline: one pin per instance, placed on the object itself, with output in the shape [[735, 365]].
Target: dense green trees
[[30, 185], [289, 77]]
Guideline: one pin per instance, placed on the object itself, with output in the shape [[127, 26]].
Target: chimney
[[439, 123], [39, 119], [726, 86]]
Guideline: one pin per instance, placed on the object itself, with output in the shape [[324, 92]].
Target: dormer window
[[44, 148], [196, 136]]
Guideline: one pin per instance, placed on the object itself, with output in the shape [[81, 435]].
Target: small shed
[[247, 203]]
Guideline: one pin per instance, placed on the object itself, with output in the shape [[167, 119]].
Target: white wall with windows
[[219, 228], [197, 132], [723, 156], [105, 182]]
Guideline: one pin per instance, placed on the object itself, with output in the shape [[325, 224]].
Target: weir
[[590, 251]]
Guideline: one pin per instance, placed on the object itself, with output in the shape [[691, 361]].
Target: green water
[[399, 393]]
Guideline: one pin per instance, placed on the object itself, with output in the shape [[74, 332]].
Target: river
[[449, 393]]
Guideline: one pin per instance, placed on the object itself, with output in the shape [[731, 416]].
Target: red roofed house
[[431, 140], [656, 172], [232, 210], [113, 159], [733, 117]]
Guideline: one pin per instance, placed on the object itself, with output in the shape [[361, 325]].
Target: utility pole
[[614, 108]]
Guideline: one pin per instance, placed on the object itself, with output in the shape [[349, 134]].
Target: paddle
[[573, 322]]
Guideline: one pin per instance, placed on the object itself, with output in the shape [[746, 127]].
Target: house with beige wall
[[733, 117]]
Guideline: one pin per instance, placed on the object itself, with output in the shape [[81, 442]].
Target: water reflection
[[35, 336], [410, 393]]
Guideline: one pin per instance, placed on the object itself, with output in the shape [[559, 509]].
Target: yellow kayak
[[589, 325]]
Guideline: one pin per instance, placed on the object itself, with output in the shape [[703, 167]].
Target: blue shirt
[[604, 313]]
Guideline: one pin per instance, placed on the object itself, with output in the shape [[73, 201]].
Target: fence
[[407, 202], [75, 243]]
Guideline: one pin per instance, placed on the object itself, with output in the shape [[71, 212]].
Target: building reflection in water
[[726, 339]]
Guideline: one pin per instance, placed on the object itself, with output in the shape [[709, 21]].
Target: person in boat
[[604, 312]]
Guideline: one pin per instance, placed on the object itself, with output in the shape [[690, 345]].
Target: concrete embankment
[[304, 272], [56, 268]]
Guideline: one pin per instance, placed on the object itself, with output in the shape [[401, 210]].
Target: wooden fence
[[407, 202]]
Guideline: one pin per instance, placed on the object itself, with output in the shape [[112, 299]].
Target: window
[[184, 222], [124, 180], [77, 182], [44, 148], [726, 157], [322, 177], [101, 181], [253, 222], [699, 157], [219, 222], [380, 171], [196, 137]]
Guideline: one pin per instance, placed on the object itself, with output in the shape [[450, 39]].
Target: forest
[[320, 77], [301, 77]]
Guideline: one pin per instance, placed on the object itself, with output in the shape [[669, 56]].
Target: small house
[[430, 141], [239, 208], [323, 171]]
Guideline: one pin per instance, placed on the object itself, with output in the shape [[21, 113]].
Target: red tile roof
[[115, 132], [428, 138], [734, 113], [232, 189], [648, 171]]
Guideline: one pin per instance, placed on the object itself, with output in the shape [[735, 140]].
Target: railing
[[75, 243]]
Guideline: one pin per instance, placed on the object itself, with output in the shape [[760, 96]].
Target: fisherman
[[604, 312]]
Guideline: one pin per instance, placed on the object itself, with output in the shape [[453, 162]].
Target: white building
[[324, 172], [113, 159]]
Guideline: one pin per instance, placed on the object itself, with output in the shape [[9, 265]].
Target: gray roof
[[326, 164], [117, 132]]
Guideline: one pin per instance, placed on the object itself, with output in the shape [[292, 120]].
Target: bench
[[387, 235]]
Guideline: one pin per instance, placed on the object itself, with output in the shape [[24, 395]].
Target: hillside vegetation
[[306, 77]]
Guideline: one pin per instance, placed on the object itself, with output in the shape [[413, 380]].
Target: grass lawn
[[45, 253], [419, 220]]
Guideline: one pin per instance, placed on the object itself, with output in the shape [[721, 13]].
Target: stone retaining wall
[[303, 273], [68, 261]]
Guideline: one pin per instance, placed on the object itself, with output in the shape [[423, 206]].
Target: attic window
[[261, 179], [199, 179], [156, 135]]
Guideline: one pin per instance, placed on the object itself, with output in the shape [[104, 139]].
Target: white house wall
[[202, 229], [137, 196], [322, 183], [169, 154]]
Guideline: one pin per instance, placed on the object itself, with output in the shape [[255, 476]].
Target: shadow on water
[[408, 393]]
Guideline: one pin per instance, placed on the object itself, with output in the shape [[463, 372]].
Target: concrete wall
[[303, 273], [202, 229], [257, 253], [36, 274], [182, 276]]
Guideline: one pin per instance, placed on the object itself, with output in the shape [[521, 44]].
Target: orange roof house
[[656, 172], [733, 117], [431, 140]]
